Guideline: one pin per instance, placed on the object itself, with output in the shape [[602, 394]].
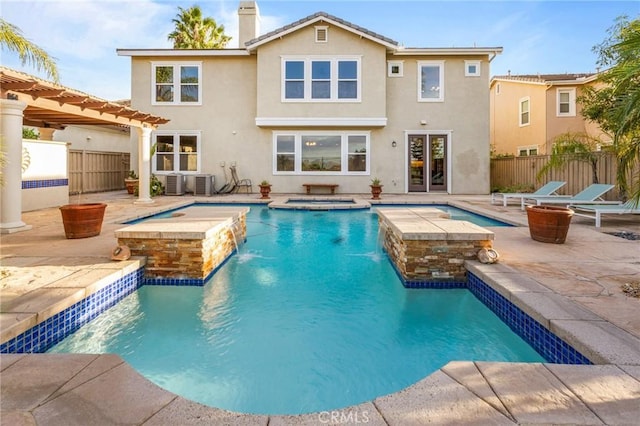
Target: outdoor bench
[[331, 186]]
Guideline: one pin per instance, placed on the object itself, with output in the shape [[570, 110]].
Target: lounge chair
[[595, 211], [240, 183], [549, 189], [592, 194]]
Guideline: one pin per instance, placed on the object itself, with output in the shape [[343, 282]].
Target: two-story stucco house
[[320, 100], [529, 111]]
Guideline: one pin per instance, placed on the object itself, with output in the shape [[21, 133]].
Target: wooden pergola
[[26, 100]]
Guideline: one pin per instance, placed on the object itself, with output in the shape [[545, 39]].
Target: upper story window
[[176, 83], [472, 68], [394, 68], [566, 102], [176, 152], [323, 152], [430, 81], [524, 111], [321, 79]]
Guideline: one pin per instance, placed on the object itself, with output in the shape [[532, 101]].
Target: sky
[[538, 36]]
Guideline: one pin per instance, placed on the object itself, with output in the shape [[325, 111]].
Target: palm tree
[[192, 31], [616, 106], [569, 147], [11, 38]]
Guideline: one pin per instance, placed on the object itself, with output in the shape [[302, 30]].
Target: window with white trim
[[566, 102], [472, 68], [176, 83], [176, 152], [395, 68], [524, 111], [430, 81], [321, 79], [525, 151], [321, 153]]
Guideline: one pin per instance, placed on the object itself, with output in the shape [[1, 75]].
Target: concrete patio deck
[[574, 289]]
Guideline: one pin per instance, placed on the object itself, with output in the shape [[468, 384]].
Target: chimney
[[248, 22]]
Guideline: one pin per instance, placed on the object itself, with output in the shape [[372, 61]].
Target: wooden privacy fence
[[512, 171], [94, 171]]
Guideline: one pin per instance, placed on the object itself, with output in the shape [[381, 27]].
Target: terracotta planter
[[82, 220], [549, 224], [264, 191], [376, 190], [131, 185]]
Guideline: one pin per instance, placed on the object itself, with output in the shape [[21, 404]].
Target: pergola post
[[11, 116], [144, 166]]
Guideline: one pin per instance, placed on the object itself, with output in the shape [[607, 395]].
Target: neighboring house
[[320, 101], [529, 111]]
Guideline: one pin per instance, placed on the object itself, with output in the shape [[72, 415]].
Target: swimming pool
[[308, 316]]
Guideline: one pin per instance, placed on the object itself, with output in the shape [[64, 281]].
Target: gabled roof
[[321, 17], [53, 105], [549, 79]]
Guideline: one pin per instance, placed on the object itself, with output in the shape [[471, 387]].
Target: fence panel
[[523, 171], [93, 171]]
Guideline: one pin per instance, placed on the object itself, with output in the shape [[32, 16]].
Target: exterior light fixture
[[394, 144]]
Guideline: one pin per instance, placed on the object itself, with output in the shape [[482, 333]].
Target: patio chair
[[592, 194], [595, 211], [549, 189], [240, 183]]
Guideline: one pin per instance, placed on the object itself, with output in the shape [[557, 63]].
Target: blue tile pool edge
[[46, 334]]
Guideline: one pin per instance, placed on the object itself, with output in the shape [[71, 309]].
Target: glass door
[[437, 163], [417, 181]]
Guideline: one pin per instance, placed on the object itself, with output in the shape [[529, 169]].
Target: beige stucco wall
[[237, 89], [96, 138], [506, 132], [302, 43]]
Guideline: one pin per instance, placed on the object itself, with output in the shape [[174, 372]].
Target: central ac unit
[[203, 185], [175, 185]]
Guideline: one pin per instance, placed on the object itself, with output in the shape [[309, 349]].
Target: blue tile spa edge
[[44, 183], [46, 334], [546, 343], [54, 329]]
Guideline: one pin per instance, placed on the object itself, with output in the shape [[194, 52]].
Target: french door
[[427, 163]]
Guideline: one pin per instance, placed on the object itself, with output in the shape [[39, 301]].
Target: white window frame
[[308, 60], [391, 64], [526, 99], [572, 102], [440, 65], [528, 149], [176, 152], [176, 82], [468, 65], [344, 152]]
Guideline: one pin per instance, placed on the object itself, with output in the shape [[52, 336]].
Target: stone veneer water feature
[[425, 245], [186, 248]]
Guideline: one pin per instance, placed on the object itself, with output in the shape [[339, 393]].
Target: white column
[[11, 114], [144, 166]]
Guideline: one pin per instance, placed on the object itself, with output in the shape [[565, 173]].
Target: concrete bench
[[331, 186]]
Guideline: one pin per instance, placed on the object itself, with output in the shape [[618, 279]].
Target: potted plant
[[131, 182], [376, 188], [549, 224], [265, 189], [155, 187], [82, 220]]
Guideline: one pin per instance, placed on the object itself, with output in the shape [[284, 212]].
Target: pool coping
[[448, 387]]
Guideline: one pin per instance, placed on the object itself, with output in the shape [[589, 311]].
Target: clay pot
[[549, 224], [131, 185], [376, 190], [264, 191], [82, 220]]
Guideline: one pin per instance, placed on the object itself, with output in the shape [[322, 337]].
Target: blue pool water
[[309, 315]]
